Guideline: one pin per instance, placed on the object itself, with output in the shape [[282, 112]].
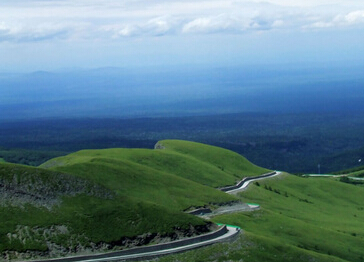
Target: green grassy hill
[[204, 164], [96, 199], [55, 212], [301, 219], [93, 200], [231, 165]]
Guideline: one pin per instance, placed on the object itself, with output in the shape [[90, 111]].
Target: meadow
[[301, 219], [99, 200], [96, 200]]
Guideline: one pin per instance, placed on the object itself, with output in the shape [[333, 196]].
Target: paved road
[[149, 252], [248, 180], [335, 176], [232, 231], [225, 233], [322, 175], [356, 178]]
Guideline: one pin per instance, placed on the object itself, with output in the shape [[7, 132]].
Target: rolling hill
[[95, 200], [98, 200]]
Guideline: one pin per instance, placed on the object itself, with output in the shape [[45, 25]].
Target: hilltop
[[96, 200]]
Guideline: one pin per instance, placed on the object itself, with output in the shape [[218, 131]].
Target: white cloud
[[232, 24], [355, 17], [161, 25], [339, 20], [36, 20], [278, 23], [20, 32], [126, 31], [5, 30], [214, 24], [158, 26]]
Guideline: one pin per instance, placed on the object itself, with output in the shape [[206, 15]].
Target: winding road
[[224, 233], [243, 184]]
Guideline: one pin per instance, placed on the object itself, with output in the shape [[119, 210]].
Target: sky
[[59, 34]]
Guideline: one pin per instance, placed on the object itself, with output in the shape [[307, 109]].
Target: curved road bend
[[142, 253], [232, 231], [245, 182], [120, 255]]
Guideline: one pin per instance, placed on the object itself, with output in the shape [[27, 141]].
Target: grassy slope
[[228, 161], [301, 219], [179, 176], [90, 216], [313, 214], [112, 169], [144, 184], [204, 164]]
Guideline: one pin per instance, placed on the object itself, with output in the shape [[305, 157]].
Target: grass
[[250, 247], [316, 215], [228, 161], [97, 220], [2, 160], [128, 178], [204, 164], [358, 173], [179, 176], [313, 214], [301, 219], [104, 196], [93, 214]]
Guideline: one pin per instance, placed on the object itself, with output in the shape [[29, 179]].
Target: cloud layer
[[41, 20]]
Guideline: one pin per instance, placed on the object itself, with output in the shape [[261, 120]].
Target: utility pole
[[318, 167]]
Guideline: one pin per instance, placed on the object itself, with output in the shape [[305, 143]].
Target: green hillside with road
[[300, 219], [95, 200]]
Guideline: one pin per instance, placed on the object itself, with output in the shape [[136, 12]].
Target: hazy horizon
[[179, 91]]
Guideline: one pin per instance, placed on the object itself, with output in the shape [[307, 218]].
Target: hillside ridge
[[113, 198]]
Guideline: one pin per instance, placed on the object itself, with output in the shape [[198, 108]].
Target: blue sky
[[56, 34]]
